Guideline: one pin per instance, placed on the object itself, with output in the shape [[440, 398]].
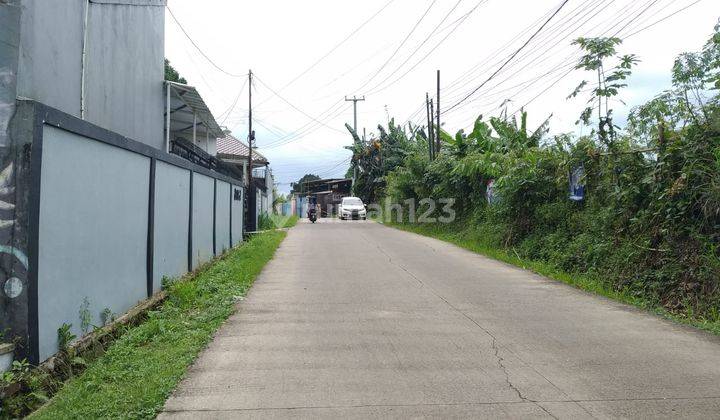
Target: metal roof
[[186, 102], [231, 147]]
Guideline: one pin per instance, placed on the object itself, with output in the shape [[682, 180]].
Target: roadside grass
[[284, 221], [587, 282], [140, 370], [276, 221]]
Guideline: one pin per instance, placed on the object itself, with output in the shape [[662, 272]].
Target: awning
[[187, 108]]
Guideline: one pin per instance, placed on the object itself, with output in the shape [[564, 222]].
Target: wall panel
[[222, 217], [202, 219], [92, 233], [237, 214], [172, 210]]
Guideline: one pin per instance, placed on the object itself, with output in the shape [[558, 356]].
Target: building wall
[[93, 225], [51, 38], [13, 257], [238, 221], [202, 219], [124, 62], [100, 220], [172, 213], [10, 13], [125, 69], [222, 216]]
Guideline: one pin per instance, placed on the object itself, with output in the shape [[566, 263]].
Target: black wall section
[[151, 229]]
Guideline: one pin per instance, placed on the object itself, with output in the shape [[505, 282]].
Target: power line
[[295, 107], [664, 18], [332, 112], [542, 55], [509, 59], [199, 49], [415, 26], [562, 65], [549, 35], [377, 88], [484, 63], [649, 5], [305, 130], [338, 45], [627, 36], [229, 111], [308, 127]]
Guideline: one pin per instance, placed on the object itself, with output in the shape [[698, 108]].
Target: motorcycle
[[312, 215]]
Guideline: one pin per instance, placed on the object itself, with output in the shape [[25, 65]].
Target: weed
[[65, 337], [85, 316]]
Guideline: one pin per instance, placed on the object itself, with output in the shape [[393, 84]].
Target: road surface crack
[[494, 344]]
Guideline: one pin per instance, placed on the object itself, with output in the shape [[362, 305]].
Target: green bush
[[650, 222]]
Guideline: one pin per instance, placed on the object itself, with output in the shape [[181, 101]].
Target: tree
[[298, 186], [172, 75], [609, 81]]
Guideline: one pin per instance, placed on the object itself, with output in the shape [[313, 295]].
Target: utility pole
[[432, 126], [250, 195], [429, 126], [437, 139], [251, 134], [354, 100]]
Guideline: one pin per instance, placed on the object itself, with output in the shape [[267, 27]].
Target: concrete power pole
[[354, 100], [250, 195], [432, 126], [430, 129], [251, 134]]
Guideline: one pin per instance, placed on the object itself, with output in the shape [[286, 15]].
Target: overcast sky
[[391, 54]]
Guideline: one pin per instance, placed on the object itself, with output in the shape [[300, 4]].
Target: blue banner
[[577, 183]]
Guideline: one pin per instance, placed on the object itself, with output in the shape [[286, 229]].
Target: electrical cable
[[509, 59], [379, 87], [338, 45], [663, 19], [293, 106], [624, 27], [198, 47], [415, 26]]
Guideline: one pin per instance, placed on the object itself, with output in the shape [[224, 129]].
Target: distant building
[[328, 193], [232, 151]]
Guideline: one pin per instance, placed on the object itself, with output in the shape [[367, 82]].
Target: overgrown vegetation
[[137, 373], [648, 226]]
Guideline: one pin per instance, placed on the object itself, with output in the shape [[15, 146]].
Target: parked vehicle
[[352, 208]]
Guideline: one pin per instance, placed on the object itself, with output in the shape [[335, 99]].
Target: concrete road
[[357, 320]]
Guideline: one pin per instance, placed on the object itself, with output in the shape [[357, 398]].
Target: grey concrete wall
[[50, 53], [237, 214], [222, 217], [202, 223], [9, 51], [92, 232], [124, 62], [172, 211], [125, 70]]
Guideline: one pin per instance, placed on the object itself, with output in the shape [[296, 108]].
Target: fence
[[109, 217]]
